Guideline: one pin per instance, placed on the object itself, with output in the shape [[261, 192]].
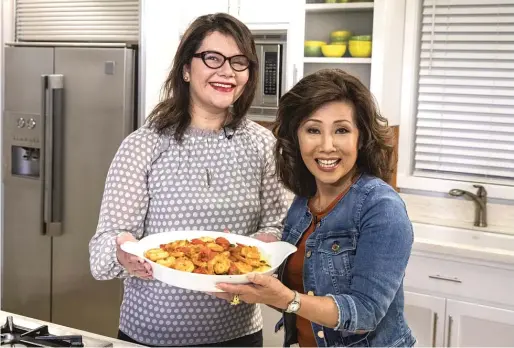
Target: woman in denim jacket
[[344, 285]]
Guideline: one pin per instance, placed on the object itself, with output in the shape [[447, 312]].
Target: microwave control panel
[[270, 73]]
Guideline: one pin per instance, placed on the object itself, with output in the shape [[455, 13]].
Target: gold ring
[[235, 300]]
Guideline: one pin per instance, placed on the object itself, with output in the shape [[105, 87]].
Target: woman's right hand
[[135, 265]]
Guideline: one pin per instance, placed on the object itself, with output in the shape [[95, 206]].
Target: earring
[[186, 78]]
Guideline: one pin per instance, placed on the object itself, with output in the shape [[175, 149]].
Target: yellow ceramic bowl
[[359, 49], [313, 48], [340, 36], [315, 43], [337, 50]]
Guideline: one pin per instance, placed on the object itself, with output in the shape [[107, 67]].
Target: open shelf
[[348, 7], [343, 60]]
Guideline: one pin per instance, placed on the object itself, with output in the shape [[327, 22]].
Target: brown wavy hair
[[173, 111], [308, 95]]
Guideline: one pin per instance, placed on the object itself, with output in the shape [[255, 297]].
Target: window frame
[[408, 104]]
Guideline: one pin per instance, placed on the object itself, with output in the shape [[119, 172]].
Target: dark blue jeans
[[252, 340]]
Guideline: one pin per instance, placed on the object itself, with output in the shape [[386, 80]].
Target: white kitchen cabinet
[[247, 11], [321, 19], [191, 9], [441, 322], [270, 318], [384, 21], [459, 302], [474, 325], [425, 315], [263, 11]]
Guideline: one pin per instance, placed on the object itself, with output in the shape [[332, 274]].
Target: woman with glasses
[[198, 163]]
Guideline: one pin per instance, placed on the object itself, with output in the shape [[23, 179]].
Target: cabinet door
[[270, 318], [191, 9], [425, 316], [263, 11], [473, 325]]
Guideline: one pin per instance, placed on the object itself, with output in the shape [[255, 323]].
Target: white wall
[[159, 41], [387, 59]]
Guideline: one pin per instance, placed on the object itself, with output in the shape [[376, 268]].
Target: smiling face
[[328, 142], [214, 90]]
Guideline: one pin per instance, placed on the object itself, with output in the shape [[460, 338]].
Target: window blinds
[[465, 110], [77, 20]]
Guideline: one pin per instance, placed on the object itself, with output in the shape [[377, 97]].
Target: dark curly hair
[[308, 95], [173, 112]]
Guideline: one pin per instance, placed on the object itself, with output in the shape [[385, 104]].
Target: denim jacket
[[357, 256]]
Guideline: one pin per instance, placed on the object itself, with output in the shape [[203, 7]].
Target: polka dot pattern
[[207, 182]]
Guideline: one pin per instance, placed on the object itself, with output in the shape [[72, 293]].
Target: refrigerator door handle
[[51, 110]]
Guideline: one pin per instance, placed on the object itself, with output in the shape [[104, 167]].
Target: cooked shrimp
[[233, 269], [243, 267], [223, 242], [206, 255], [184, 264], [235, 250], [251, 262], [186, 250], [156, 254], [222, 266], [200, 259], [178, 243], [251, 252], [219, 264], [201, 270], [215, 247], [197, 241], [167, 262]]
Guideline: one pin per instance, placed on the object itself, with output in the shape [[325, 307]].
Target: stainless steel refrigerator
[[66, 111]]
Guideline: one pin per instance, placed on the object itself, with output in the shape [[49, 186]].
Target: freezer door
[[98, 114], [26, 250]]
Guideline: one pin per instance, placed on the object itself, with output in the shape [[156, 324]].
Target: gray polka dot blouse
[[207, 182]]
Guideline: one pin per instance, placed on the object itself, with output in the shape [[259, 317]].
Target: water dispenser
[[25, 161]]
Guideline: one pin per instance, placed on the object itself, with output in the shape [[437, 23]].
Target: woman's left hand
[[263, 289], [266, 237]]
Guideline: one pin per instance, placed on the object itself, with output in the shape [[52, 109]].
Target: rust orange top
[[294, 272]]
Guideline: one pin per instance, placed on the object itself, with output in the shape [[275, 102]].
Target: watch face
[[293, 307]]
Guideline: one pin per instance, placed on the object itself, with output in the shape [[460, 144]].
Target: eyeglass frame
[[225, 58]]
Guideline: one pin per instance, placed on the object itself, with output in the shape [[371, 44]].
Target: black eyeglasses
[[215, 60]]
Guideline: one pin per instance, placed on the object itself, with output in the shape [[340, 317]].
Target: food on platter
[[211, 256]]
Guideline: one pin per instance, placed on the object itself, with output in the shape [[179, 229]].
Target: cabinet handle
[[450, 322], [434, 332], [437, 276]]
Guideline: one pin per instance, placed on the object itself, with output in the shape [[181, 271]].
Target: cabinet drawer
[[460, 279]]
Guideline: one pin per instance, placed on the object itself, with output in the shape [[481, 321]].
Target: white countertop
[[89, 339], [467, 243]]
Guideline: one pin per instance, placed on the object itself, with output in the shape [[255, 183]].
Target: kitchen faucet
[[480, 203]]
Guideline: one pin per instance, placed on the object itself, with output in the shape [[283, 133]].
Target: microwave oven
[[271, 51]]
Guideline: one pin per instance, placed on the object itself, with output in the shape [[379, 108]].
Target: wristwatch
[[294, 305]]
